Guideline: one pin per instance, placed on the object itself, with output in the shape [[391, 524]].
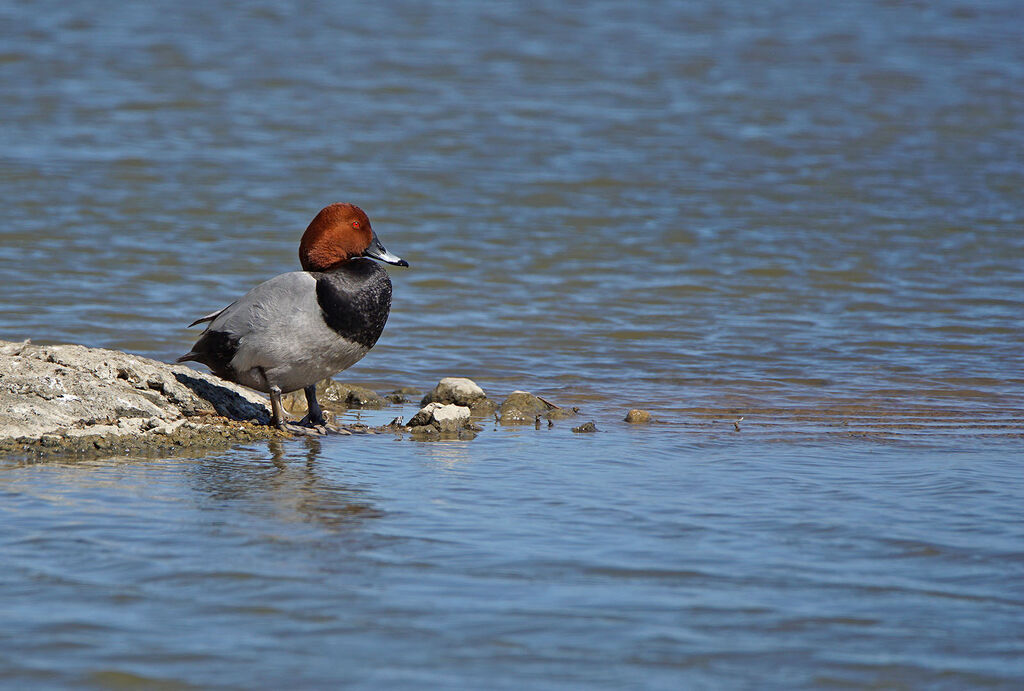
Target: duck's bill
[[377, 251]]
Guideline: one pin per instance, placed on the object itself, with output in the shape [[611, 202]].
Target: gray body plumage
[[297, 328]]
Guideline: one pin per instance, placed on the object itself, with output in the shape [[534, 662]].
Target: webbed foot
[[304, 430]]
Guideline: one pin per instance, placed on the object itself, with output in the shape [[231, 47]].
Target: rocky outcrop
[[78, 399], [70, 399]]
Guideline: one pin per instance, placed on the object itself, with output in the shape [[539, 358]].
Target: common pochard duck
[[298, 328]]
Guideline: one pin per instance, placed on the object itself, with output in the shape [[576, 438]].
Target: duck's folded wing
[[268, 310], [270, 305]]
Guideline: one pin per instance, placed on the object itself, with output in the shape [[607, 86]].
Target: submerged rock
[[460, 391], [402, 395], [522, 407], [562, 413], [69, 398], [585, 427], [638, 417]]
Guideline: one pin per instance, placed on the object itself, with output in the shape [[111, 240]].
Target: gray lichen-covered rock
[[63, 396], [436, 421], [460, 391], [444, 417]]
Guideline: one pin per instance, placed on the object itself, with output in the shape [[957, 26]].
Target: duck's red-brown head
[[341, 232]]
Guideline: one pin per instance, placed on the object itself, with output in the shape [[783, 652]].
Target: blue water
[[518, 562], [798, 220]]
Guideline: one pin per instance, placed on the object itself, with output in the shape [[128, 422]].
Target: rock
[[463, 392], [525, 402], [562, 413], [334, 395], [73, 399], [514, 416], [10, 348], [523, 407], [458, 390], [402, 395], [638, 417], [585, 427], [350, 395], [442, 417]]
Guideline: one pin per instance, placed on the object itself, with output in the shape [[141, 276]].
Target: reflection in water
[[448, 453], [288, 483]]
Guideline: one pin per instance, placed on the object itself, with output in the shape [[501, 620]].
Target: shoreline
[[71, 400]]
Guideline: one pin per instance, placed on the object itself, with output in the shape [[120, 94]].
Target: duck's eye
[[355, 224]]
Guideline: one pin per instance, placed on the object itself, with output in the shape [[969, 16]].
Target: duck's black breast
[[355, 299]]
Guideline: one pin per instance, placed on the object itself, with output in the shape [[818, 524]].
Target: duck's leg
[[276, 408], [277, 411], [315, 416]]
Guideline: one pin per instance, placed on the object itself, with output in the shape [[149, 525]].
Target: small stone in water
[[637, 416]]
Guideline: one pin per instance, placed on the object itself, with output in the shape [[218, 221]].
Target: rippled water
[[806, 217]]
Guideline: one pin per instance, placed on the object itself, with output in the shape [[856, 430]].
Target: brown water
[[807, 217]]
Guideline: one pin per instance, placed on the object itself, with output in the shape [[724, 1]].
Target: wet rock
[[402, 395], [334, 395], [71, 399], [522, 407], [514, 416], [442, 417], [562, 413], [463, 392], [638, 417], [525, 403], [585, 427], [423, 430], [349, 395]]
